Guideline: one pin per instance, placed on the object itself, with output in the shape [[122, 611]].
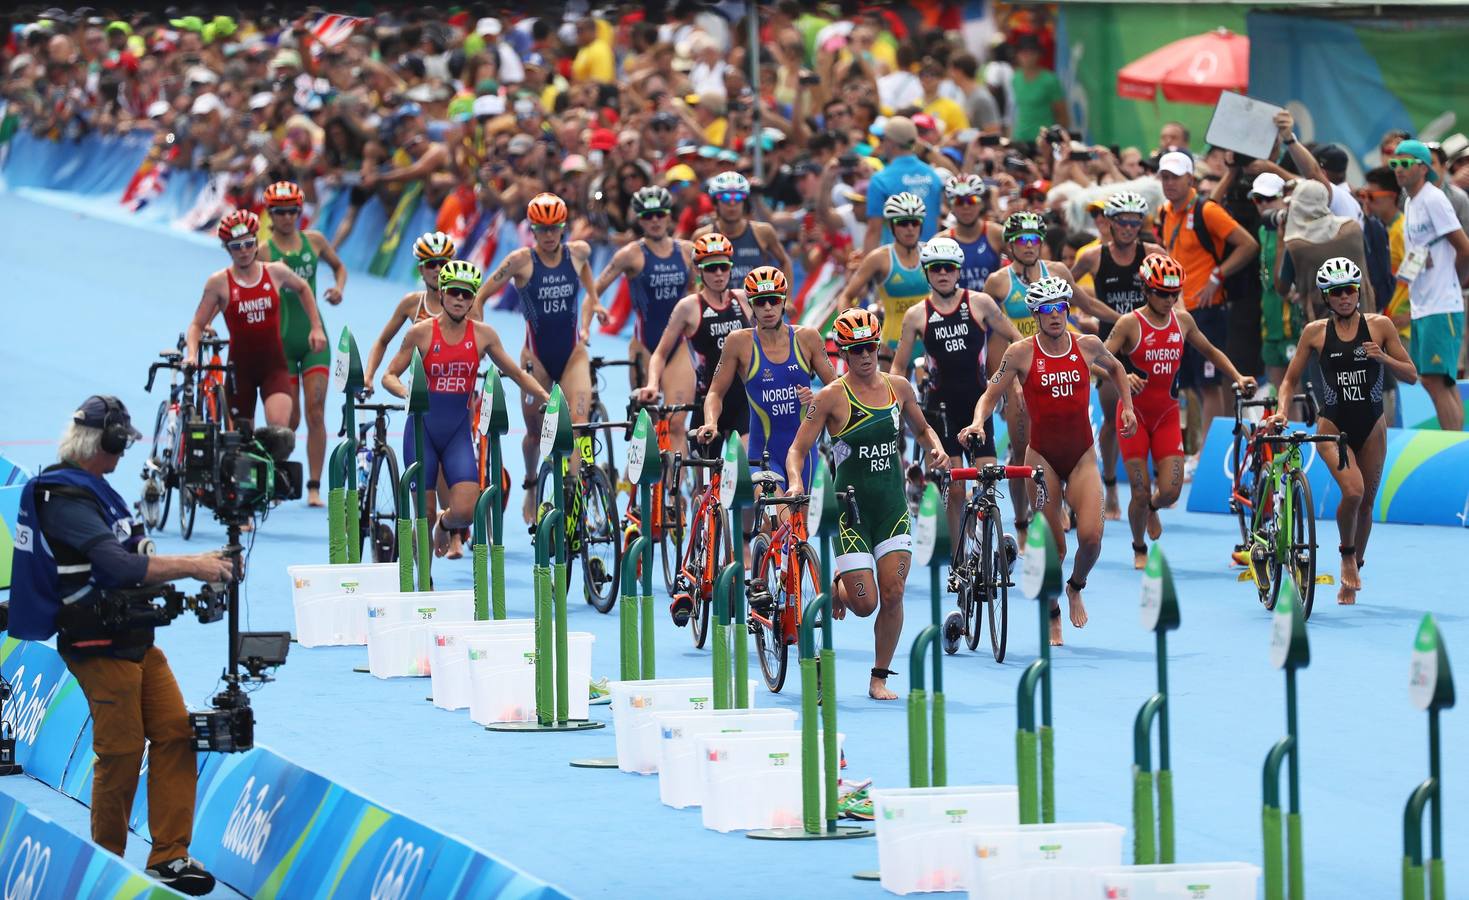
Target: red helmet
[[238, 224], [1161, 274], [284, 193], [546, 209]]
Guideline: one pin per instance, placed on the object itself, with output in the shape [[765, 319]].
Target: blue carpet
[[88, 303]]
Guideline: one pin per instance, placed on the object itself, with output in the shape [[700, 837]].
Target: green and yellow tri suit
[[869, 461], [295, 326]]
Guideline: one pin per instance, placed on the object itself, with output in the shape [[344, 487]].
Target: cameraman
[[74, 541]]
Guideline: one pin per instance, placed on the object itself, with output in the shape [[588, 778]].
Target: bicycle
[[1282, 522], [670, 501], [204, 402], [597, 412], [709, 549], [590, 507], [164, 464], [377, 472], [1243, 450], [984, 556]]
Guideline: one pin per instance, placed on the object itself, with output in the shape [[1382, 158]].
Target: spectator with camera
[[76, 541]]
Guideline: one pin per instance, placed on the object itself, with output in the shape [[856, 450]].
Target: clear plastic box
[[323, 597], [449, 658], [751, 779], [633, 706], [923, 834], [1040, 862], [502, 677], [1187, 881], [680, 783], [392, 650]]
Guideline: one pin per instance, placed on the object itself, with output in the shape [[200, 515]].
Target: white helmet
[[965, 186], [1338, 272], [904, 206], [941, 250], [1048, 290], [1126, 203], [729, 181]]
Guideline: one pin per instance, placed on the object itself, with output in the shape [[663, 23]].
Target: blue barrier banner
[[56, 737], [76, 783], [1425, 477], [35, 672]]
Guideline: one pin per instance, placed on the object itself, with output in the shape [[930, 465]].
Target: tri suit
[[656, 290], [549, 302], [295, 326], [715, 325], [453, 378], [1352, 384], [1158, 357], [252, 315], [1057, 395], [772, 389], [868, 462], [955, 344]]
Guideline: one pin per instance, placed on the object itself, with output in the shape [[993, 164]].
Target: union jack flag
[[333, 29]]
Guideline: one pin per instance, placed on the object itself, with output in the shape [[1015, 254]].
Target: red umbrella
[[1192, 70]]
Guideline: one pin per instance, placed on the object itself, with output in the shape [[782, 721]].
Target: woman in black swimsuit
[[1354, 349]]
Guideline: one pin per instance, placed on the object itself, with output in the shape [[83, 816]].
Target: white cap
[[158, 108], [261, 100], [1268, 185], [204, 104], [489, 105], [201, 75], [1176, 162], [487, 26]]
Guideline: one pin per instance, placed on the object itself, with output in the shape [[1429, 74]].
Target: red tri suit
[[1057, 396], [253, 317], [1158, 355]]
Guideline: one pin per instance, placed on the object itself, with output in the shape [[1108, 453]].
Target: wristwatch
[[1287, 143]]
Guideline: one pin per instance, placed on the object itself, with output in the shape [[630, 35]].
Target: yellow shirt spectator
[[594, 62], [948, 112]]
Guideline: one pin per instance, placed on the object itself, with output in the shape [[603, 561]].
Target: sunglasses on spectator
[[1404, 163], [547, 229], [942, 268], [285, 210], [730, 197], [1060, 306], [1343, 290], [1127, 223], [432, 264], [1369, 194], [968, 200], [862, 349], [1027, 240], [654, 214], [905, 223], [678, 185], [460, 293], [767, 300], [242, 244], [716, 268]]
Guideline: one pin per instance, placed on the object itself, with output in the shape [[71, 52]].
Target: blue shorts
[[448, 444]]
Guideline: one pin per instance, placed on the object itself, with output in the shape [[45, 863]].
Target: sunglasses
[[678, 185], [432, 264], [1368, 194], [907, 223], [1404, 163], [1343, 290], [1027, 240], [968, 200], [459, 293], [547, 229], [767, 300], [654, 214], [242, 244], [1127, 223], [662, 126], [862, 349], [285, 211], [1060, 306], [941, 268], [716, 268], [730, 197]]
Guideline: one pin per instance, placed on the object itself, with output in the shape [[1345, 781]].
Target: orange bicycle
[[211, 405], [709, 550], [670, 501]]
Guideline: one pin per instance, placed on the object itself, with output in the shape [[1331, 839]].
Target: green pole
[[925, 769], [637, 594], [494, 422], [1160, 614], [1430, 688], [1040, 578], [1289, 650], [736, 491], [563, 669], [546, 532], [418, 403], [645, 602], [628, 612], [347, 378], [405, 526], [336, 505], [481, 551]]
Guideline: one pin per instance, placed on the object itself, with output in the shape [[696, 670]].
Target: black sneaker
[[184, 875]]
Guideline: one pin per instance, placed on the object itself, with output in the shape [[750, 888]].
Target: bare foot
[[441, 536], [1056, 631], [1155, 525], [1350, 576], [1139, 558], [878, 690], [528, 508], [1077, 608], [313, 497], [456, 546], [1113, 509], [1346, 596]]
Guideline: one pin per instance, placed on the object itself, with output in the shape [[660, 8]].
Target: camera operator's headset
[[116, 430]]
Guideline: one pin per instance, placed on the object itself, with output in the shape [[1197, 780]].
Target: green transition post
[[1430, 688], [489, 509], [417, 409], [343, 456], [347, 378], [1289, 650], [553, 672], [931, 549], [1160, 616], [736, 491], [637, 594], [405, 525], [1040, 578]]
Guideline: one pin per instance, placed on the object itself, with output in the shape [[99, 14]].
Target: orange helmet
[[237, 224], [857, 326], [711, 245], [765, 280], [546, 209], [1161, 274], [284, 193]]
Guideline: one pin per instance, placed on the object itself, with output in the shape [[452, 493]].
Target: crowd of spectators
[[481, 107]]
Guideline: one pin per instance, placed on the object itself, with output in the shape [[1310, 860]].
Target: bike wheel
[[965, 564], [770, 645], [608, 464], [380, 508], [995, 576], [693, 575], [1262, 540], [188, 508], [670, 543], [1302, 558], [1242, 485], [601, 543]]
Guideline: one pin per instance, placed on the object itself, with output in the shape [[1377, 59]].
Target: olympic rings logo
[[27, 872], [397, 871]]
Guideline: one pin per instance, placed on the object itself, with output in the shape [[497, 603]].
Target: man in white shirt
[[1333, 162], [1436, 249]]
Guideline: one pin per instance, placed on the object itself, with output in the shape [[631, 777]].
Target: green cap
[[123, 27], [188, 23], [461, 109]]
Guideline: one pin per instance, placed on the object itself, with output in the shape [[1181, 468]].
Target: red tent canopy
[[1192, 70]]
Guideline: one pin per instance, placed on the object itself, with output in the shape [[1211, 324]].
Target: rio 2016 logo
[[248, 829], [27, 872], [395, 874], [28, 706]]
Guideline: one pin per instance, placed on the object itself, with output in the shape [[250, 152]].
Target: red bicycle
[[709, 549]]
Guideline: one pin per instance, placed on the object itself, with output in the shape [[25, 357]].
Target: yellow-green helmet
[[459, 272]]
